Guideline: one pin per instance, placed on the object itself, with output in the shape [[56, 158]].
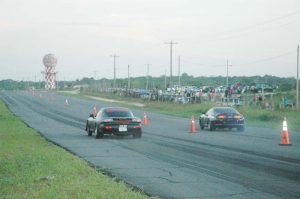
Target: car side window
[[209, 112]]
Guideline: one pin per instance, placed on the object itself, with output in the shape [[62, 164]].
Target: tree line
[[281, 83]]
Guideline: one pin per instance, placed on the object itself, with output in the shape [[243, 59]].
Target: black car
[[114, 120], [222, 117]]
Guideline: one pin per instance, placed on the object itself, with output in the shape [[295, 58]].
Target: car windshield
[[117, 113], [225, 110]]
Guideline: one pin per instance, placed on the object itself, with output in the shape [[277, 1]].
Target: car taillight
[[238, 117], [108, 127], [137, 127], [221, 116]]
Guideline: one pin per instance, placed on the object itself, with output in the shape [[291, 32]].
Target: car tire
[[98, 133], [89, 131], [241, 129], [210, 126], [201, 125], [137, 134]]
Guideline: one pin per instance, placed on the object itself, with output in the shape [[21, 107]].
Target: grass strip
[[31, 167]]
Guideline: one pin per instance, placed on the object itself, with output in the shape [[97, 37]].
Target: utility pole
[[227, 82], [227, 75], [165, 79], [104, 85], [179, 74], [171, 48], [114, 56], [95, 77], [95, 74], [147, 83], [128, 86], [297, 83], [35, 81]]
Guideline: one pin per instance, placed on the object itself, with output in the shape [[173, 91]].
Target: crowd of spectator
[[233, 95]]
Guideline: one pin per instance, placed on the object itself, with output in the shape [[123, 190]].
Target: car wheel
[[137, 134], [86, 126], [241, 129], [89, 131], [98, 133], [210, 126], [201, 125]]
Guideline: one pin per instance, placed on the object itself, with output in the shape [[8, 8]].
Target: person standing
[[94, 111]]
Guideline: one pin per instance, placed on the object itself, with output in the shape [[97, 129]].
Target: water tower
[[50, 62]]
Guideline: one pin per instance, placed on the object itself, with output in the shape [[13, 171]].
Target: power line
[[201, 64], [268, 59], [243, 64], [277, 18], [260, 24], [232, 34]]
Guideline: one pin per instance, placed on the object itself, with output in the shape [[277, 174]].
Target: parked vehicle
[[222, 117], [114, 120], [264, 88], [261, 88], [231, 102]]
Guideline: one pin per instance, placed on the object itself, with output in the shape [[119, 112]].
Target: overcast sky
[[258, 37]]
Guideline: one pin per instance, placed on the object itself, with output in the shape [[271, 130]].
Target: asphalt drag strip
[[168, 161]]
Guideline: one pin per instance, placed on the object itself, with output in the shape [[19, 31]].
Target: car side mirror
[[91, 115]]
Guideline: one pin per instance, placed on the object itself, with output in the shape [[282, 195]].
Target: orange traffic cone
[[192, 125], [285, 141], [145, 120], [66, 103]]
